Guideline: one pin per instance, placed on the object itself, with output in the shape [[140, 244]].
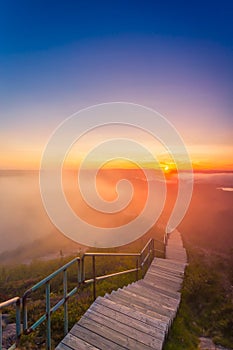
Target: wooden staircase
[[138, 316]]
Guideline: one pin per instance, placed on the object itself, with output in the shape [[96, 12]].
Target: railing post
[[137, 267], [18, 321], [83, 269], [79, 272], [48, 316], [66, 302], [94, 277], [25, 316], [153, 248]]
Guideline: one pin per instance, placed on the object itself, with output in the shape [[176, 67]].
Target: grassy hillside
[[207, 294], [207, 302]]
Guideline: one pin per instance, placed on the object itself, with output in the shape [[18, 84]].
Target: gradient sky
[[57, 57]]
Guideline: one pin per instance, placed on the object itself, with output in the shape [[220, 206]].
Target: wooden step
[[149, 304], [136, 306], [172, 263], [123, 319], [126, 331], [144, 294], [133, 314], [120, 339], [165, 274], [161, 298], [160, 289], [73, 342], [163, 281], [171, 270], [139, 315]]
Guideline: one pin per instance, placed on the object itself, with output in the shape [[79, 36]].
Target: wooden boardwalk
[[138, 316]]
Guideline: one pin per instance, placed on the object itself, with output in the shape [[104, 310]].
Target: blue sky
[[59, 56]]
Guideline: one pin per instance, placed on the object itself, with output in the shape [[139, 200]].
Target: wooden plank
[[166, 310], [167, 274], [127, 320], [162, 284], [163, 281], [175, 245], [101, 342], [169, 270], [74, 343], [102, 330], [152, 294], [178, 264], [132, 334], [175, 254], [135, 306], [173, 297], [62, 346], [169, 264], [160, 289], [134, 314], [178, 258], [146, 303], [174, 280]]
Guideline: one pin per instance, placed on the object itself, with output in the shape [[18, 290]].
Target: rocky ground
[[207, 344]]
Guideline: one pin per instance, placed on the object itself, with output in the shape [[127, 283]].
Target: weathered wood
[[125, 330], [164, 274], [168, 270], [153, 295], [145, 302], [138, 316], [98, 340], [134, 314], [153, 286], [163, 281], [72, 342], [62, 346], [170, 262], [127, 320], [118, 338], [135, 306]]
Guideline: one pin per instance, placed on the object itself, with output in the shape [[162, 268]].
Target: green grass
[[206, 308]]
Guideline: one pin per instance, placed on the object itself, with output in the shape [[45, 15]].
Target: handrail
[[139, 264], [14, 301], [148, 250], [49, 311]]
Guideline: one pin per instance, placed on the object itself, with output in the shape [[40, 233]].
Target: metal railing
[[50, 310], [142, 259]]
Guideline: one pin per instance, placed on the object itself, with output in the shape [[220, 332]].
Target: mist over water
[[23, 218]]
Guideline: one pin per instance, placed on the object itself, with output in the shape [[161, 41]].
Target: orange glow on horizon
[[217, 159]]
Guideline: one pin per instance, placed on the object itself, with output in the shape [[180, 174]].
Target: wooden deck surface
[[138, 316]]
